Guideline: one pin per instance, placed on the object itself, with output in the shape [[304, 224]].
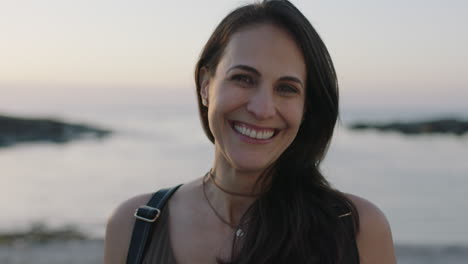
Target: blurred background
[[127, 66]]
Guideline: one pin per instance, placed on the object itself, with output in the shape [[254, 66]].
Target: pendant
[[239, 232]]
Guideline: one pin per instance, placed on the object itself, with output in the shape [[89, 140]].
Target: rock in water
[[444, 126], [15, 130]]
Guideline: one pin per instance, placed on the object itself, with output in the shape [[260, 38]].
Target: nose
[[261, 104]]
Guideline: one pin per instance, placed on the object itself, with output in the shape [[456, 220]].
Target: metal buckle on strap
[[147, 219]]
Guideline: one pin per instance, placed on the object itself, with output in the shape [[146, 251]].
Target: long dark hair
[[299, 219]]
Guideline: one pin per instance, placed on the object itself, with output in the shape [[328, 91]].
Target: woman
[[268, 100]]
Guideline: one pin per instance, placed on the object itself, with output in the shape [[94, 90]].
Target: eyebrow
[[245, 68], [291, 79], [254, 71]]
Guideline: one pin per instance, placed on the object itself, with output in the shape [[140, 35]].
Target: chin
[[251, 165]]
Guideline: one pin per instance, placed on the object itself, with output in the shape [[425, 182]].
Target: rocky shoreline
[[450, 126], [92, 252], [39, 233], [14, 130], [43, 245]]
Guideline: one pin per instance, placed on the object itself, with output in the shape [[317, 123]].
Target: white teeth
[[267, 134], [260, 134], [264, 134], [253, 133]]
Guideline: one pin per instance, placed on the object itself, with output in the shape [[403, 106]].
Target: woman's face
[[256, 97]]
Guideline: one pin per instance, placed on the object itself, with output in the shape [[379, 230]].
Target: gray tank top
[[159, 250]]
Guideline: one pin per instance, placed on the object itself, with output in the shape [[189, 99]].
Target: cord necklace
[[237, 228]]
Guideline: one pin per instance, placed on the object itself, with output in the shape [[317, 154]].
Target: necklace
[[238, 230], [212, 178]]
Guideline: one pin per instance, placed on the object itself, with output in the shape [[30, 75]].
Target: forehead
[[268, 48]]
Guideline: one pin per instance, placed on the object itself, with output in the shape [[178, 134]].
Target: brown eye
[[244, 79], [287, 89]]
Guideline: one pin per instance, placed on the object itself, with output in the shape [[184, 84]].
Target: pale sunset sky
[[399, 52]]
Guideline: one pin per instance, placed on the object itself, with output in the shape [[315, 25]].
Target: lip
[[232, 122], [253, 140]]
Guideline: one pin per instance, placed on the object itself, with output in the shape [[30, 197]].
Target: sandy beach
[[91, 252]]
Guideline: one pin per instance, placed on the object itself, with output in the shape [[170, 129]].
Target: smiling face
[[256, 97]]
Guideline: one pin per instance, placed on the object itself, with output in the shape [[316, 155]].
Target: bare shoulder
[[374, 240], [119, 229]]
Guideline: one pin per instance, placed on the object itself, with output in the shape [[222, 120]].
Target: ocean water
[[419, 182]]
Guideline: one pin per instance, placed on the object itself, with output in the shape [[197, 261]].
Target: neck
[[212, 178], [231, 192]]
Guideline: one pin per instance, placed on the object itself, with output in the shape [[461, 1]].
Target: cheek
[[223, 101], [227, 98], [293, 114]]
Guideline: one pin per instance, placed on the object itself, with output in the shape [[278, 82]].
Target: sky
[[399, 52]]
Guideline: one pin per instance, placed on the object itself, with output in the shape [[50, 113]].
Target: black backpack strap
[[146, 215]]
